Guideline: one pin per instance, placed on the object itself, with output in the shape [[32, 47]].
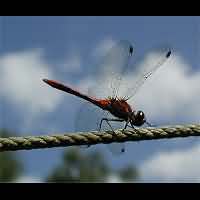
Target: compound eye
[[140, 115]]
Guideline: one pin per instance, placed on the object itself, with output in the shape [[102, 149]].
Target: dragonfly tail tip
[[45, 80]]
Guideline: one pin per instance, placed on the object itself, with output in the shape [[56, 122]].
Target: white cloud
[[173, 166], [21, 75], [102, 48]]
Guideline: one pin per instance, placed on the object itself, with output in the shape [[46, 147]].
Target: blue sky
[[68, 48]]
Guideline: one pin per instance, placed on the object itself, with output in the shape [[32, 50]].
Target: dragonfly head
[[138, 118]]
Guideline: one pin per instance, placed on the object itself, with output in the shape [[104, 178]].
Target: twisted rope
[[92, 138]]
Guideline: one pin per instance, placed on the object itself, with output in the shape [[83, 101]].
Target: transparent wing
[[109, 71], [88, 118], [131, 84], [107, 81]]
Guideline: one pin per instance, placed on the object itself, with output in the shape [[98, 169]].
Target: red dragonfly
[[108, 83]]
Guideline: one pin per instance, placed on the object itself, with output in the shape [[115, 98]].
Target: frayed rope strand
[[92, 138]]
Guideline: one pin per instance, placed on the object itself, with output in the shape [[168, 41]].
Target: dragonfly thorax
[[119, 108]]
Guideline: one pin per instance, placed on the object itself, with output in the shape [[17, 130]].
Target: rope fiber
[[92, 138]]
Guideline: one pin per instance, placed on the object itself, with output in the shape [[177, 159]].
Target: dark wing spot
[[168, 54], [131, 50]]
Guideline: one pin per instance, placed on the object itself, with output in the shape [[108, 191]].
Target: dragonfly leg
[[132, 127], [126, 125], [108, 120]]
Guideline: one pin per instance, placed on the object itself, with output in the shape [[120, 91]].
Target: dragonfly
[[103, 99]]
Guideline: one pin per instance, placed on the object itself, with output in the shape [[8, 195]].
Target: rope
[[92, 138]]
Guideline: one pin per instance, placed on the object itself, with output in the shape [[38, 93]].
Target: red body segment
[[119, 108]]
